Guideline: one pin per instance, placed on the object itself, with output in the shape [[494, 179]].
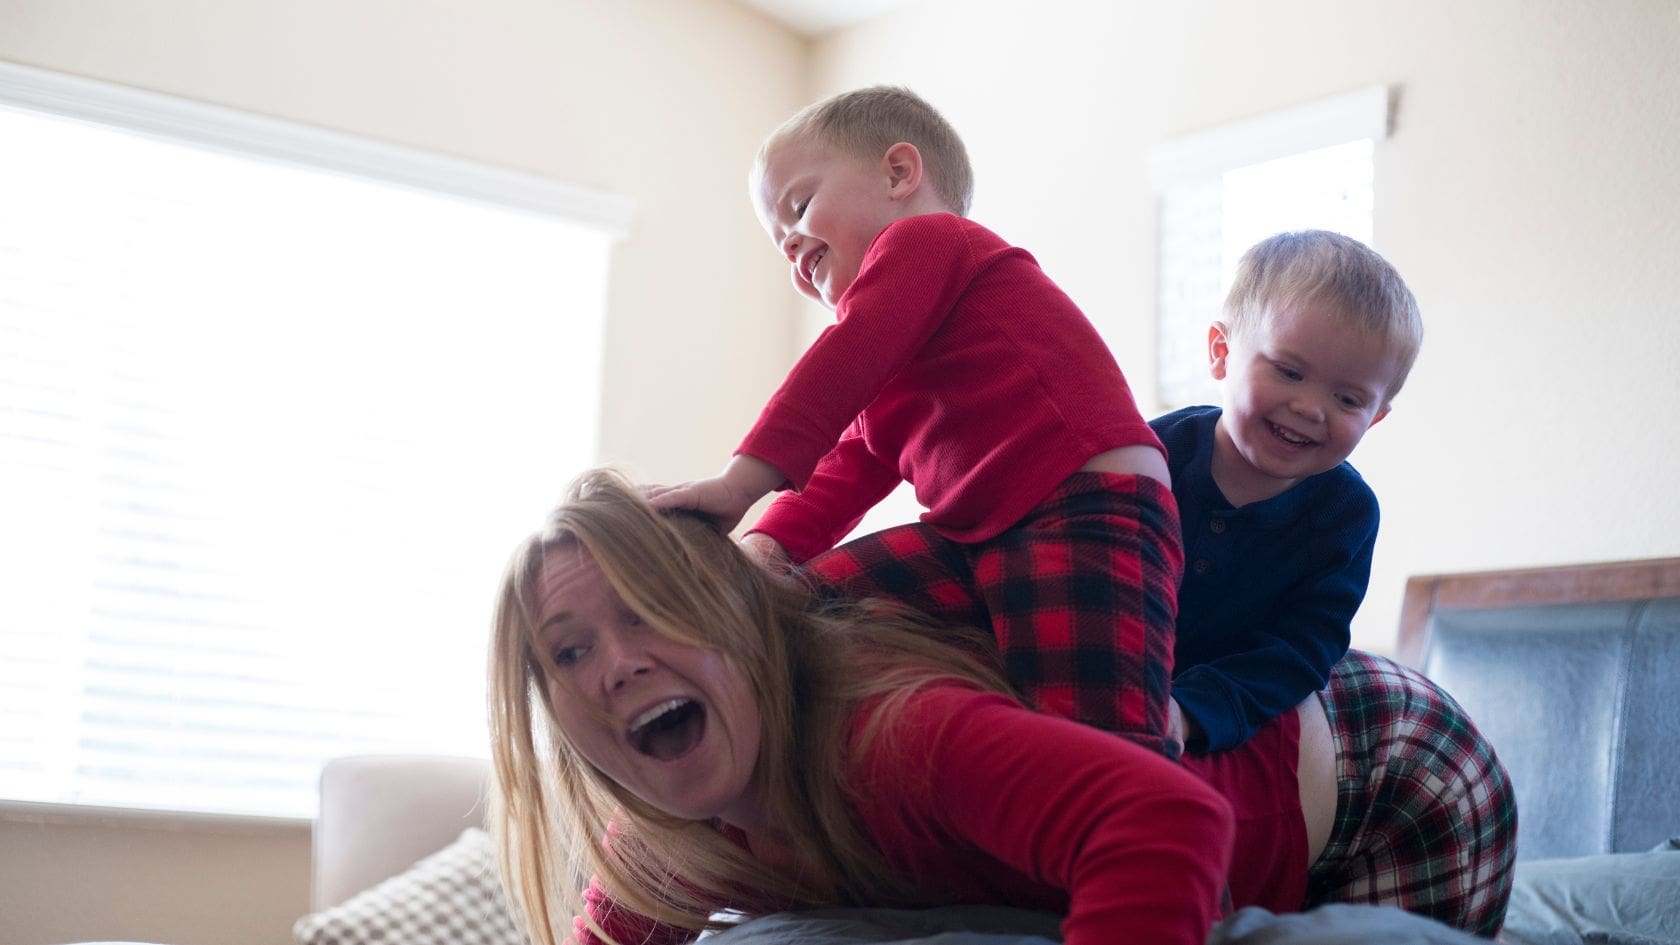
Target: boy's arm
[[847, 483], [1276, 665], [911, 279]]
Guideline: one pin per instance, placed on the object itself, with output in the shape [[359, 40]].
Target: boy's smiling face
[[824, 207], [1302, 386]]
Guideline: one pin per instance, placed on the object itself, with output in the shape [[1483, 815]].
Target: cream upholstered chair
[[382, 813]]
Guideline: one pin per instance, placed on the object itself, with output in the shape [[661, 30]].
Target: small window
[[1223, 190], [275, 406]]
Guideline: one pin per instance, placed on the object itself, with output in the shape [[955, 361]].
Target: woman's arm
[[1140, 846]]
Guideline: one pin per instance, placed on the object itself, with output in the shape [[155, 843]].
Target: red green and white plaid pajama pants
[[1425, 816], [1082, 596]]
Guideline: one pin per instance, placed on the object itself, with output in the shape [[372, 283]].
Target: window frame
[[231, 131], [227, 129], [1191, 167]]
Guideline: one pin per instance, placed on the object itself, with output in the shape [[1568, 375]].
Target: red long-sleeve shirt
[[978, 800], [954, 363]]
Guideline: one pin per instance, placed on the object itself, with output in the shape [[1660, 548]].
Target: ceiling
[[816, 17]]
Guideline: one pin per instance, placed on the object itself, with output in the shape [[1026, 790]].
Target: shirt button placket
[[1203, 565]]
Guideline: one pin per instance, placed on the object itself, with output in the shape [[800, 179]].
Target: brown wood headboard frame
[[1560, 584]]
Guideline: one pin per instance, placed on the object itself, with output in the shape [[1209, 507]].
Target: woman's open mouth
[[670, 729]]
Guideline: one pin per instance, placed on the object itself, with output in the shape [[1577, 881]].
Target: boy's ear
[[903, 166], [1219, 349], [1380, 414]]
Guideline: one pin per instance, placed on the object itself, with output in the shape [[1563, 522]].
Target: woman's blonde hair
[[812, 665]]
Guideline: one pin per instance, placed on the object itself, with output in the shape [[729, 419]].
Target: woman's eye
[[568, 655]]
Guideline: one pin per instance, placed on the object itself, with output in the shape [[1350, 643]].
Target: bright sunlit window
[[1223, 190], [268, 432]]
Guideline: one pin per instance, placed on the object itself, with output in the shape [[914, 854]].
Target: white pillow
[[453, 897], [1610, 898]]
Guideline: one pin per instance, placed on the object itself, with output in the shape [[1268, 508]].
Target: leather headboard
[[1573, 674]]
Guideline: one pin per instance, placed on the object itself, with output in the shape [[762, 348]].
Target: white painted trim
[[227, 129], [1330, 121], [90, 815]]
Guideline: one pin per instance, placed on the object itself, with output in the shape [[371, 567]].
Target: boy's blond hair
[[1335, 273], [866, 122]]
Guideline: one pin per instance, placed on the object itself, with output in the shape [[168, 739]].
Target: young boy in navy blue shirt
[[1318, 334]]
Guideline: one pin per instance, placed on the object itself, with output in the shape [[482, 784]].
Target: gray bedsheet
[[949, 925], [1613, 899], [990, 925]]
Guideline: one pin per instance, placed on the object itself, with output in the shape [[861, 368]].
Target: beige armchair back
[[381, 813]]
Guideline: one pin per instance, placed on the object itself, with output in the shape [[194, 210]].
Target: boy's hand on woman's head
[[726, 497], [712, 498]]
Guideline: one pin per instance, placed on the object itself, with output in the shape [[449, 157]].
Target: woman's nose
[[625, 662]]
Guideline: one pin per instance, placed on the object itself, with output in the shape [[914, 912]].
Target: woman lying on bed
[[738, 746]]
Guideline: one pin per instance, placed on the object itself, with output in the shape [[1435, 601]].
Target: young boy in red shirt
[[955, 363]]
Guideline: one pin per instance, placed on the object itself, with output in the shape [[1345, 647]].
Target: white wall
[[82, 875], [1530, 194], [664, 101]]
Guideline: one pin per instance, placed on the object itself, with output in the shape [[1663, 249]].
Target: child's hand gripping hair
[[725, 497]]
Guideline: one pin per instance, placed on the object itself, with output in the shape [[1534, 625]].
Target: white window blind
[[1223, 190], [267, 434]]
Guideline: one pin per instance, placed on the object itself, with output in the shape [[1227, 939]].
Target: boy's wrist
[[748, 475]]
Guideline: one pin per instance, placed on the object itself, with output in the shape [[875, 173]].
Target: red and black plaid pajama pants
[[1425, 816], [1082, 595]]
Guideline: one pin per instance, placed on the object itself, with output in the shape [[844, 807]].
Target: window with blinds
[[268, 431], [1223, 190]]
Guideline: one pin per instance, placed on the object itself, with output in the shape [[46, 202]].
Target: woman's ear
[[1219, 349], [902, 165]]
